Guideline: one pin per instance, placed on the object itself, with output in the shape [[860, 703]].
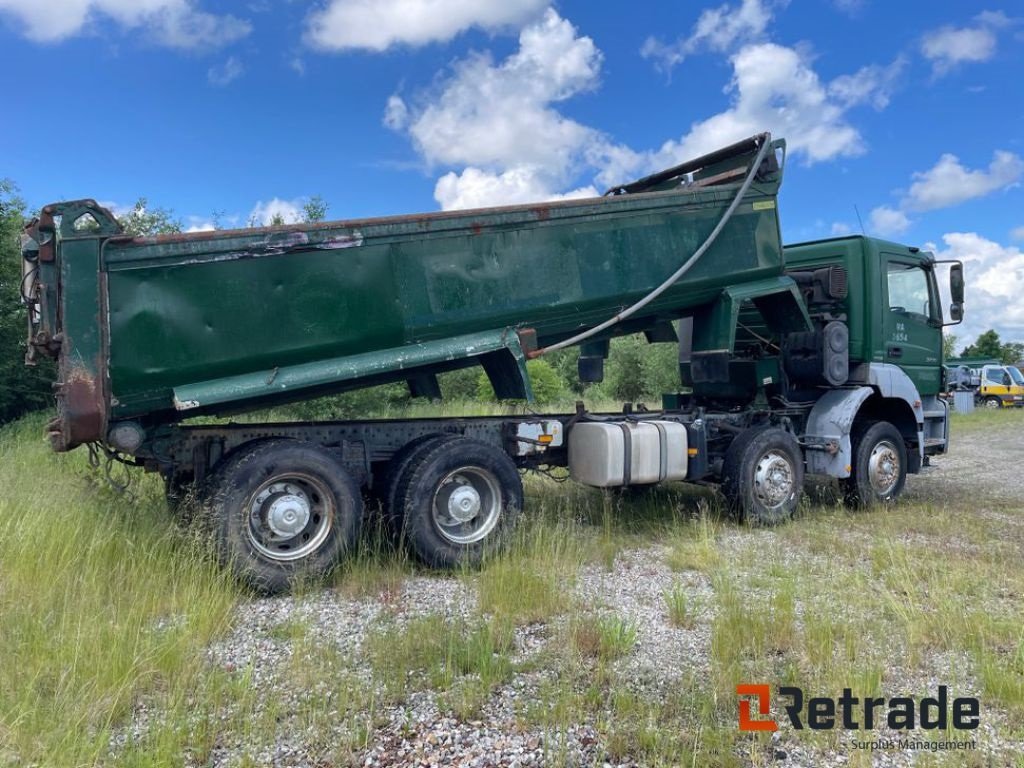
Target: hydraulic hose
[[674, 277]]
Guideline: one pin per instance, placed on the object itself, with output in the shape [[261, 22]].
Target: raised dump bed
[[213, 322]]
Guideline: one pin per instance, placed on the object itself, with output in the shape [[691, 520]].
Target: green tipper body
[[159, 328]]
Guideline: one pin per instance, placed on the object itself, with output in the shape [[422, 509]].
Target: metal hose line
[[674, 277]]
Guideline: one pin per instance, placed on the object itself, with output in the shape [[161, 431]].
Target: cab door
[[911, 324]]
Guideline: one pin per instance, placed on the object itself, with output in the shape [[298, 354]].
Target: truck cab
[[893, 311], [999, 388]]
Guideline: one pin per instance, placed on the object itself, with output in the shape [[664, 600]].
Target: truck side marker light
[[545, 439], [692, 451]]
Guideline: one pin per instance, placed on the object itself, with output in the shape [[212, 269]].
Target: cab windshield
[[1015, 374]]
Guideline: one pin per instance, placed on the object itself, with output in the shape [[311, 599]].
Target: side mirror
[[956, 283], [956, 312]]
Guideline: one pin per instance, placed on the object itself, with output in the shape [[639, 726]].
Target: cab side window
[[997, 377], [908, 290]]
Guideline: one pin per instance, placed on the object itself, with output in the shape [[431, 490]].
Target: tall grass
[[103, 600], [106, 604]]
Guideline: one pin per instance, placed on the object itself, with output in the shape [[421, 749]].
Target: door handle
[[895, 351]]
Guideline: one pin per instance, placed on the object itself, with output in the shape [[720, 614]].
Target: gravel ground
[[420, 731]]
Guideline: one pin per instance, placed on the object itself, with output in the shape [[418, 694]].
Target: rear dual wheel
[[284, 510], [455, 499]]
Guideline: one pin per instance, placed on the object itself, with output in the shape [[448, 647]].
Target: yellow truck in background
[[994, 385]]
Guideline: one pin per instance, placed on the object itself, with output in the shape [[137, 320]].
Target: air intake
[[833, 281]]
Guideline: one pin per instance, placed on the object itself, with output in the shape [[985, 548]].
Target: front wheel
[[763, 475], [283, 510], [879, 468], [993, 402], [459, 499]]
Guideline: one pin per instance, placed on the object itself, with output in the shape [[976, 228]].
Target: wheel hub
[[288, 514], [467, 505], [884, 467], [464, 503], [773, 479]]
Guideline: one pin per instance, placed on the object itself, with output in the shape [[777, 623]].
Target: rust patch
[[543, 212], [528, 340], [477, 227], [80, 410]]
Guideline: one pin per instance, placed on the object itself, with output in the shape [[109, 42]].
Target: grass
[[604, 638], [107, 608], [679, 606], [102, 600]]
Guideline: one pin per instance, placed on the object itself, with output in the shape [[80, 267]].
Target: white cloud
[[840, 228], [1017, 233], [263, 213], [887, 222], [495, 126], [948, 46], [497, 120], [396, 113], [475, 188], [225, 73], [199, 224], [174, 23], [994, 274], [489, 114], [949, 183], [775, 88], [377, 25], [717, 29], [872, 84]]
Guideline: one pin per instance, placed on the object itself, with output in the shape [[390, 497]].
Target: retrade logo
[[849, 712], [763, 696]]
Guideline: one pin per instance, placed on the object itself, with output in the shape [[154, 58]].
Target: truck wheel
[[993, 402], [879, 468], [763, 475], [397, 469], [282, 510], [460, 498]]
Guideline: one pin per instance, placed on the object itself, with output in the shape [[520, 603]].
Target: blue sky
[[912, 112]]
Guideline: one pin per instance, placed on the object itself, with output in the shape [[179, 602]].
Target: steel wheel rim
[[466, 505], [774, 476], [289, 517], [884, 468], [992, 403]]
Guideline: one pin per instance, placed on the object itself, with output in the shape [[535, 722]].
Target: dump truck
[[822, 358]]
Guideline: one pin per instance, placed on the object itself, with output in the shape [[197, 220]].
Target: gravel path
[[421, 731]]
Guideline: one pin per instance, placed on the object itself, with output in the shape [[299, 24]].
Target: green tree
[[314, 209], [1013, 352], [143, 220], [460, 384], [636, 370], [949, 341], [22, 389], [986, 345], [546, 383]]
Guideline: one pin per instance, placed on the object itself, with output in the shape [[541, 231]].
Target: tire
[[394, 516], [993, 402], [878, 471], [763, 475], [284, 510], [450, 477]]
